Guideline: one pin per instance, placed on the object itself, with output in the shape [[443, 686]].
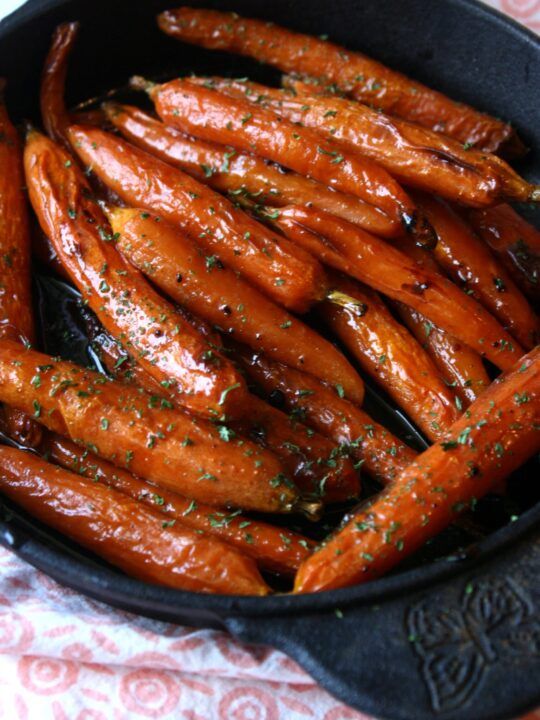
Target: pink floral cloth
[[66, 657]]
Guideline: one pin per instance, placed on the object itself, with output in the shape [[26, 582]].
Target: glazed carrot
[[309, 459], [470, 264], [205, 287], [366, 80], [461, 367], [165, 345], [274, 548], [210, 115], [125, 532], [16, 319], [239, 173], [377, 451], [410, 153], [143, 433], [499, 432], [515, 242], [350, 249], [392, 357], [285, 273], [53, 79]]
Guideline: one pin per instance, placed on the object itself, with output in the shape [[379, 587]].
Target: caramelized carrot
[[392, 357], [274, 548], [210, 115], [470, 264], [285, 273], [350, 249], [515, 242], [408, 152], [205, 287], [238, 173], [377, 451], [366, 80], [143, 433], [16, 319], [167, 347], [499, 432], [125, 532], [53, 79]]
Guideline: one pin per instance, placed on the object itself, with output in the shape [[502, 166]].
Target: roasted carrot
[[143, 433], [16, 319], [274, 548], [377, 451], [350, 249], [515, 242], [461, 368], [285, 273], [238, 173], [470, 264], [205, 287], [213, 116], [166, 346], [125, 532], [55, 117], [392, 357], [499, 432], [366, 80], [410, 153]]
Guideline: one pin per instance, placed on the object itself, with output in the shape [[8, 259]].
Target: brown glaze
[[498, 433], [142, 433], [124, 531]]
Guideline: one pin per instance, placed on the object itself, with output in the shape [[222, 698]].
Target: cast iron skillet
[[457, 640]]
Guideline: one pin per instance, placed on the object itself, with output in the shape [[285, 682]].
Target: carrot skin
[[143, 433], [514, 241], [16, 320], [167, 347], [380, 453], [213, 116], [499, 432], [276, 549], [125, 532], [236, 173], [348, 248], [467, 260], [176, 265], [365, 79], [285, 273]]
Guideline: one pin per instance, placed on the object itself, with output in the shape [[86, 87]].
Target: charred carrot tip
[[336, 297], [137, 82], [312, 509]]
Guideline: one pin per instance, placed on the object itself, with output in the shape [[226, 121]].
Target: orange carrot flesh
[[498, 433], [377, 451], [392, 357], [282, 271], [365, 79], [515, 242], [142, 433], [176, 265], [213, 116], [125, 532], [274, 548], [470, 264], [348, 248], [236, 173]]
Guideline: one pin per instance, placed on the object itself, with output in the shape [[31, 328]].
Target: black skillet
[[458, 638]]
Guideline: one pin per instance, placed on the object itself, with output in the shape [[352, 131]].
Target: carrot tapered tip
[[137, 82], [311, 509], [336, 297]]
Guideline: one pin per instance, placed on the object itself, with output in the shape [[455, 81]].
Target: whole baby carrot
[[365, 79], [125, 532], [498, 433]]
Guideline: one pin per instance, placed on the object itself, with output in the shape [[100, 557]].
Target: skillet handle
[[464, 648]]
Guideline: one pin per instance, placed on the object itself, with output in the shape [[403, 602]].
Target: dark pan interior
[[118, 39]]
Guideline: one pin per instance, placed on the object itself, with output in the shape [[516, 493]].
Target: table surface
[[66, 657]]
